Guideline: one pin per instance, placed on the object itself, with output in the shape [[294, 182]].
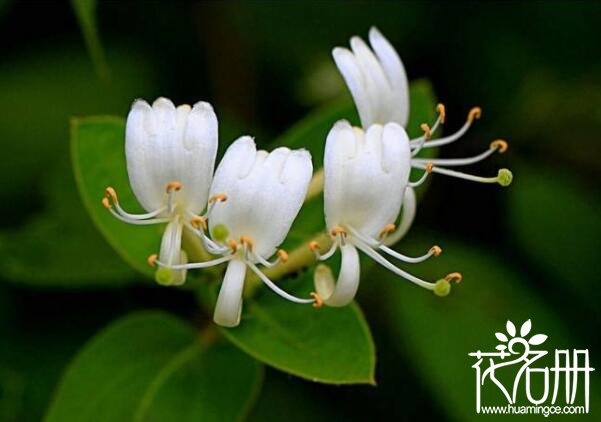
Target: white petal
[[229, 303], [365, 176], [395, 72], [343, 291], [165, 144], [353, 76], [265, 192]]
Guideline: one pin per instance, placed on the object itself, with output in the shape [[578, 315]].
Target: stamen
[[440, 108], [233, 245], [276, 289], [246, 241], [421, 180], [436, 250], [426, 129], [283, 255], [151, 260], [138, 221], [314, 246], [338, 230], [388, 228], [473, 114], [318, 299], [111, 195], [221, 197], [454, 276], [499, 144], [173, 186], [388, 265], [197, 221]]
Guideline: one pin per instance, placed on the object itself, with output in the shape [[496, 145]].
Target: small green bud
[[442, 288], [164, 276], [505, 177], [220, 233]]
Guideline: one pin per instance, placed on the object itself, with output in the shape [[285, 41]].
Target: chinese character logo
[[523, 353]]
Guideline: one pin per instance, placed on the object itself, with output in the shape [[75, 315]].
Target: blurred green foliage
[[528, 252]]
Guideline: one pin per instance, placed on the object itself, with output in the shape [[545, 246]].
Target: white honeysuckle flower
[[170, 153], [378, 83], [364, 173], [255, 197], [366, 170]]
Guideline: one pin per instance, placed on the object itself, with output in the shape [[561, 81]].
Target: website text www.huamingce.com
[[533, 410]]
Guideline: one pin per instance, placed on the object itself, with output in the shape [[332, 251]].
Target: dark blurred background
[[533, 67]]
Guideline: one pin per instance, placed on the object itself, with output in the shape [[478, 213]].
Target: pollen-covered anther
[[197, 221], [436, 251], [151, 260], [221, 197], [426, 129], [440, 108], [106, 203], [338, 230], [454, 276], [233, 245], [474, 113], [247, 241], [283, 255], [429, 167], [499, 144], [314, 246], [388, 228], [173, 186], [318, 300], [109, 192]]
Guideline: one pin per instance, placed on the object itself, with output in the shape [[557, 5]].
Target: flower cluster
[[242, 211]]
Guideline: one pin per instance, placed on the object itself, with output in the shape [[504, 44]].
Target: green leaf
[[60, 247], [329, 345], [436, 334], [85, 10], [97, 148], [151, 366], [556, 222]]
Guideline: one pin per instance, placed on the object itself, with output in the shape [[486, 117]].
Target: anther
[[151, 260], [429, 167], [245, 240], [233, 245], [173, 186], [283, 255], [388, 228], [436, 250], [338, 230], [499, 144], [106, 203], [314, 246], [221, 197], [426, 129], [474, 113], [454, 276], [109, 192], [318, 300], [198, 221], [440, 108]]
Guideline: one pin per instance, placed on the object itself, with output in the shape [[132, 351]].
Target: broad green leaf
[[60, 246], [152, 366], [329, 345], [556, 223], [436, 334], [85, 10], [98, 153]]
